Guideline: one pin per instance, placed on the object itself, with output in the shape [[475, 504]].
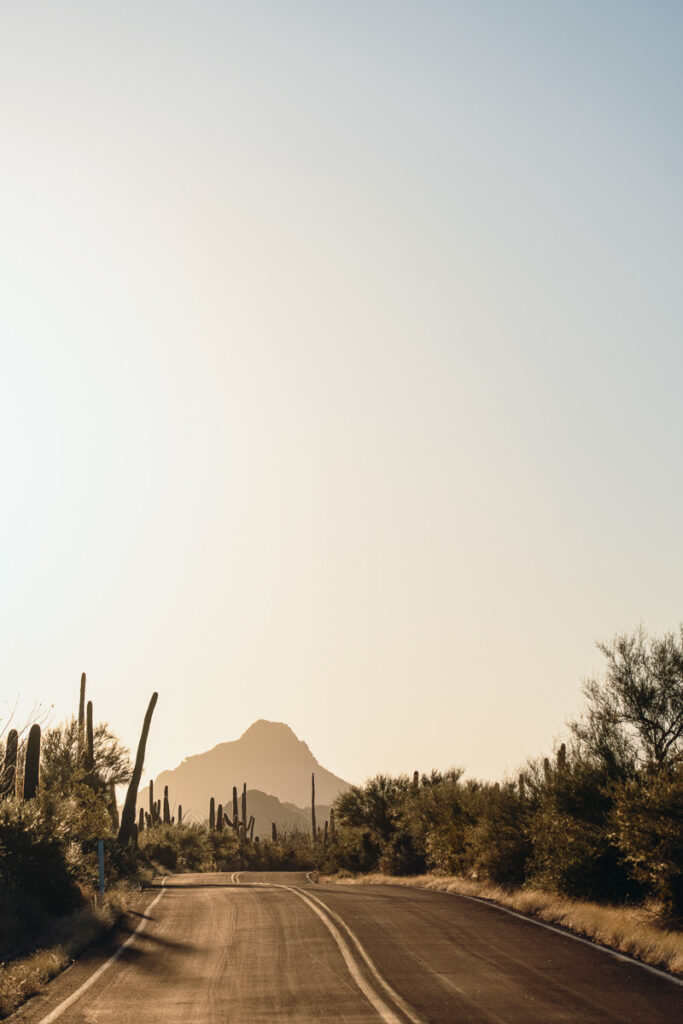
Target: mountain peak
[[268, 756], [263, 727]]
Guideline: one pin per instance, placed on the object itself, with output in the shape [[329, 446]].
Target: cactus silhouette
[[250, 828], [212, 814], [562, 757], [141, 819], [81, 720], [546, 769], [180, 815], [8, 778], [219, 818], [235, 810], [244, 805], [167, 807], [89, 741], [313, 828], [273, 831], [151, 799], [32, 764], [128, 816], [331, 822]]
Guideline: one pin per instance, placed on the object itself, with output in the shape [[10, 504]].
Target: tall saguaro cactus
[[128, 815], [81, 719], [332, 823], [212, 814], [151, 799], [8, 779], [244, 805], [167, 807], [89, 741], [219, 818], [235, 810], [180, 815], [32, 764], [313, 828]]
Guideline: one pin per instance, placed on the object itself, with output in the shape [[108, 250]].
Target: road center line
[[59, 1010], [392, 993], [384, 1011]]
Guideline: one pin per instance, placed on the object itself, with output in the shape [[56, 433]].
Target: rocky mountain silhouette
[[269, 757]]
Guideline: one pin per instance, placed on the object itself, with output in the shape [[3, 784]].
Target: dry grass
[[637, 931], [66, 939]]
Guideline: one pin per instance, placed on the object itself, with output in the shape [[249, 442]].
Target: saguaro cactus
[[212, 814], [416, 781], [273, 831], [332, 823], [167, 807], [8, 779], [151, 799], [219, 818], [180, 815], [128, 816], [235, 810], [81, 719], [141, 819], [313, 828], [250, 828], [546, 769], [562, 757], [89, 741], [32, 764], [244, 805]]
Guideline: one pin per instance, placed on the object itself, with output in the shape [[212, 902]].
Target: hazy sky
[[341, 365]]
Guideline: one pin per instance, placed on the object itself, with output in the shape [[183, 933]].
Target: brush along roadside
[[62, 941]]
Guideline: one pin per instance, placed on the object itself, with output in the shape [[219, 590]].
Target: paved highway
[[253, 948]]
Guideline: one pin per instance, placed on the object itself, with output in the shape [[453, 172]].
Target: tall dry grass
[[636, 931], [66, 939]]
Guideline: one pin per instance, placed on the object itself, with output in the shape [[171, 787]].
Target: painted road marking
[[384, 1011], [558, 931], [392, 993], [59, 1010]]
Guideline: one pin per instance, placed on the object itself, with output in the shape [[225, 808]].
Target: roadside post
[[100, 858]]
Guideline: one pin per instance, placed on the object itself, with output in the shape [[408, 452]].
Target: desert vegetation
[[597, 823]]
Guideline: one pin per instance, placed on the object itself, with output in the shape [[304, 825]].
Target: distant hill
[[269, 757]]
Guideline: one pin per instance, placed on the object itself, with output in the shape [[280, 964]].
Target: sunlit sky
[[341, 366]]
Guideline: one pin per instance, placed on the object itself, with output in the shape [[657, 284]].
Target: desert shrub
[[648, 821], [32, 858]]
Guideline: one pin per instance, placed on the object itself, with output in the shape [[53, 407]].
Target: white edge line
[[384, 1011], [551, 928], [400, 1002], [59, 1010]]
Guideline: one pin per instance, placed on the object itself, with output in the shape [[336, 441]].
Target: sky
[[340, 366]]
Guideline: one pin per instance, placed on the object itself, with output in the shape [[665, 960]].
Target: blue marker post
[[100, 857]]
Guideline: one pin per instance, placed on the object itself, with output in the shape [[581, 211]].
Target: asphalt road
[[257, 948]]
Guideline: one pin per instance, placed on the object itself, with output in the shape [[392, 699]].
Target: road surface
[[252, 948]]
